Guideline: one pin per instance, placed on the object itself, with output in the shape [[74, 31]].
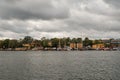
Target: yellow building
[[49, 43], [79, 45], [20, 49], [98, 46], [73, 45], [76, 45], [28, 46]]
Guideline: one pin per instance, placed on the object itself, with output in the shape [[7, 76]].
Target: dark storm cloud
[[28, 9]]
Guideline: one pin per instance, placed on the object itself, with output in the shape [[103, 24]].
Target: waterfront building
[[79, 45], [76, 46], [98, 46], [20, 49], [50, 43], [27, 46], [73, 46], [115, 43], [106, 41]]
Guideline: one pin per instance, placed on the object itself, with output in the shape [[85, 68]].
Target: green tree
[[96, 42], [13, 43], [44, 42], [6, 43], [74, 40], [27, 40], [37, 43], [1, 44], [68, 40], [79, 40], [20, 43], [87, 42], [63, 42], [55, 42]]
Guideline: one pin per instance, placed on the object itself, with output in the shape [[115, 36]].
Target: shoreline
[[59, 50]]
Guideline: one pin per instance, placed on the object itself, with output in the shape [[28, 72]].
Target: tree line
[[45, 42]]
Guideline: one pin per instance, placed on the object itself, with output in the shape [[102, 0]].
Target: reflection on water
[[74, 65]]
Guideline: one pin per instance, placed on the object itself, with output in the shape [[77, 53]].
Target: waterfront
[[59, 65]]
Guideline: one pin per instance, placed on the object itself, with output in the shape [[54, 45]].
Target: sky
[[59, 18]]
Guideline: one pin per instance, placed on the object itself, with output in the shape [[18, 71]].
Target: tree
[[44, 42], [37, 43], [68, 41], [55, 42], [1, 44], [63, 42], [79, 40], [13, 43], [20, 43], [96, 42], [74, 40], [27, 40], [87, 42], [6, 43]]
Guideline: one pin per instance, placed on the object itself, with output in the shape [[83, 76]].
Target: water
[[76, 65]]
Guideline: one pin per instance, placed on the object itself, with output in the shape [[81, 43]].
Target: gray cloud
[[114, 3], [28, 9], [13, 26], [53, 18]]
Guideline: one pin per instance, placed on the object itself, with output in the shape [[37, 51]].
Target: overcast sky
[[60, 18]]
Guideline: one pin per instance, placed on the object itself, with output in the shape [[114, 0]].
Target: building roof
[[117, 41]]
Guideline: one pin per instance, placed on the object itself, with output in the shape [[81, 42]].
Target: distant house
[[20, 49], [98, 46], [79, 45], [76, 46], [106, 41], [49, 43], [27, 46], [73, 45], [115, 43]]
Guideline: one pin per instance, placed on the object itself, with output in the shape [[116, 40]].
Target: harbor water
[[60, 65]]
